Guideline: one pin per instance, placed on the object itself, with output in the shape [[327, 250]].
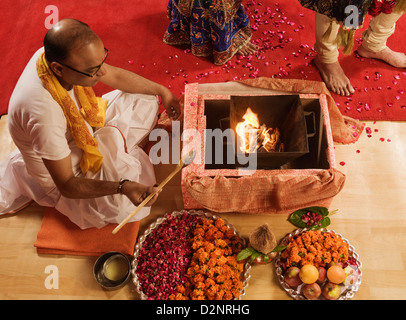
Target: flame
[[243, 129], [253, 136]]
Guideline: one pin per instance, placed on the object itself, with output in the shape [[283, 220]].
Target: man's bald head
[[64, 36]]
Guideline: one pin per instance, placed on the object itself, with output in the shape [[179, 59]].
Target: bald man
[[77, 152]]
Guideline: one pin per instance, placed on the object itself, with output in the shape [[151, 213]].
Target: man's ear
[[56, 68]]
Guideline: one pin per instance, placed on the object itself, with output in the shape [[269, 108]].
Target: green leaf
[[278, 248], [324, 223], [245, 253], [296, 217], [255, 255], [266, 259]]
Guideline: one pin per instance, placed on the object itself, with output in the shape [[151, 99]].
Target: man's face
[[86, 60]]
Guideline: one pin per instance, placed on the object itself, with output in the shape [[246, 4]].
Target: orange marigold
[[214, 272], [315, 247]]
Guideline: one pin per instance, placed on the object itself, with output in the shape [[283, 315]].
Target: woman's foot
[[395, 59], [334, 77], [248, 49]]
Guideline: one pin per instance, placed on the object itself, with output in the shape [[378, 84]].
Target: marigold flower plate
[[163, 256], [351, 263]]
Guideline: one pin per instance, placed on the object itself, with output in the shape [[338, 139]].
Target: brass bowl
[[112, 279]]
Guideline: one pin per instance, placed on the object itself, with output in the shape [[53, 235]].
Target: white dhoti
[[129, 119]]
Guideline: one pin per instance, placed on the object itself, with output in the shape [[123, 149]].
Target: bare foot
[[395, 59], [334, 77], [250, 48]]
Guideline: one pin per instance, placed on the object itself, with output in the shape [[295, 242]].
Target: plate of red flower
[[190, 255]]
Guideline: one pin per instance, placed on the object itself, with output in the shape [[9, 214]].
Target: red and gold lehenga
[[217, 28]]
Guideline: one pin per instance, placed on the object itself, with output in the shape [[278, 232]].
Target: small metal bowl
[[101, 273]]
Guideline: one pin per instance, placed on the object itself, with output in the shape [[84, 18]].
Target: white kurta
[[39, 129]]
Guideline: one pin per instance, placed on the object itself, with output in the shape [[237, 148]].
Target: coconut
[[263, 239]]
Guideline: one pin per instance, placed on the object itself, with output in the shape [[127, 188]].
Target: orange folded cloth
[[58, 235]]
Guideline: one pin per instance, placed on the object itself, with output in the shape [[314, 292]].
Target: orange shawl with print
[[92, 110]]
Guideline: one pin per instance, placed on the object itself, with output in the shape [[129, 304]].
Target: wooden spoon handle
[[147, 199]]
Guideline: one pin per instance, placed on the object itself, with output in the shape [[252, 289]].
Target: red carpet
[[133, 30]]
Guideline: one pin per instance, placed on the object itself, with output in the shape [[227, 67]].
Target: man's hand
[[171, 105], [137, 192], [128, 81]]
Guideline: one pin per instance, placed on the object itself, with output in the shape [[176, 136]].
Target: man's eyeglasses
[[88, 74]]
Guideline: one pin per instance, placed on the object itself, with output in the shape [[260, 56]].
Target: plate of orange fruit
[[318, 264]]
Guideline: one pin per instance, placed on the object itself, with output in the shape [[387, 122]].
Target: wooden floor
[[372, 216]]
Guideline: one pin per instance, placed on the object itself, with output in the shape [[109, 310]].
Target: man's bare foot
[[250, 48], [334, 77], [395, 59]]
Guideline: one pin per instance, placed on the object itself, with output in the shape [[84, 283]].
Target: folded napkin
[[58, 235]]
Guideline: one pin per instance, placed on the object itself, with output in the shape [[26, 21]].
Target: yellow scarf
[[92, 109]]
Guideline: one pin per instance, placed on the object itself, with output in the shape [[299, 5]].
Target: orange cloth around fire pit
[[266, 191], [281, 191]]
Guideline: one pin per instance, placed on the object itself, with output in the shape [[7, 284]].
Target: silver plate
[[347, 292], [154, 225]]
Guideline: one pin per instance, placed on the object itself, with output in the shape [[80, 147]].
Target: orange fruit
[[308, 274], [336, 274]]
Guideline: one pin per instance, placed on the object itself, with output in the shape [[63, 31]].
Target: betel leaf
[[296, 217], [324, 223]]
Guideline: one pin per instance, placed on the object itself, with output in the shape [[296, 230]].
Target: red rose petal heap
[[164, 257]]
